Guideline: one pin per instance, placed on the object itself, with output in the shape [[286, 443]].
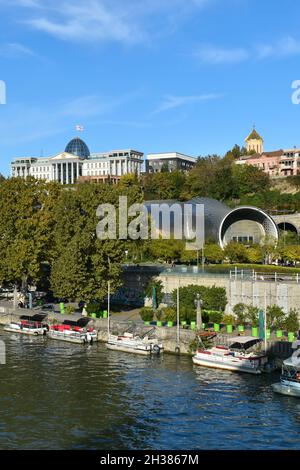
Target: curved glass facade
[[78, 147]]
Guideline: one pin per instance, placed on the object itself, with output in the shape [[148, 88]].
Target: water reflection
[[56, 395]]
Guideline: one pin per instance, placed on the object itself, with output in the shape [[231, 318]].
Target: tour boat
[[128, 342], [28, 326], [290, 375], [236, 357], [74, 332]]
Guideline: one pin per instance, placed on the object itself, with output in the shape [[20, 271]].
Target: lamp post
[[198, 304]]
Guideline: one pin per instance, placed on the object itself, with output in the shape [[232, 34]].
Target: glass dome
[[78, 147]]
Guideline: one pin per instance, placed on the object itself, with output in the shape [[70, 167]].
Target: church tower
[[254, 142]]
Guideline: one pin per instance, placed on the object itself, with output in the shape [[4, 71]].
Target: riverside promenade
[[176, 341]]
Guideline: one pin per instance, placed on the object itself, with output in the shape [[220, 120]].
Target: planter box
[[291, 337], [216, 327], [229, 328], [170, 323], [159, 323], [147, 323], [268, 334], [183, 323], [241, 328], [255, 331], [279, 334], [193, 325]]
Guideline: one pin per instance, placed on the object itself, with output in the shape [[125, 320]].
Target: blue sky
[[155, 75]]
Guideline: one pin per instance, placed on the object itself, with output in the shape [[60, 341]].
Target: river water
[[61, 396]]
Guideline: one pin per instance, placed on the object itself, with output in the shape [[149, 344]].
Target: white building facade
[[77, 164]]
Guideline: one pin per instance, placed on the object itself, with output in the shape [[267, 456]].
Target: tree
[[213, 253], [26, 229], [166, 250], [214, 298], [275, 317], [252, 315], [92, 262], [291, 322], [236, 252], [239, 311]]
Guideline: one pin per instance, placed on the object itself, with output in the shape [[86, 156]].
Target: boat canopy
[[243, 342], [38, 317]]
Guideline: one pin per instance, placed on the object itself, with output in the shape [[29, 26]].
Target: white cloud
[[119, 20], [13, 49], [171, 102], [287, 46], [210, 54]]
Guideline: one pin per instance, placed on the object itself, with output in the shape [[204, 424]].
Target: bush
[[69, 310], [93, 307], [169, 314], [291, 322], [239, 311], [275, 317], [252, 315], [229, 319], [147, 314], [215, 316], [214, 298]]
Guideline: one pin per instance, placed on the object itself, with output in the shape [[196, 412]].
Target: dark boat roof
[[82, 322], [245, 342], [39, 317]]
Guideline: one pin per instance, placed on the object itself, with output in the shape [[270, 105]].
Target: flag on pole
[[79, 128]]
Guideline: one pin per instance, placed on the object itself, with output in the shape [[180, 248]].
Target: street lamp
[[198, 304]]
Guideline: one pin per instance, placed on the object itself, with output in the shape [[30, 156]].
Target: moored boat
[[239, 356], [74, 332], [27, 325], [128, 342], [290, 375]]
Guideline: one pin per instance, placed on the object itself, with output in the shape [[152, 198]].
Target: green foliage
[[236, 252], [252, 315], [239, 311], [166, 250], [158, 285], [214, 298], [93, 307], [291, 322], [275, 317], [213, 253], [229, 319], [169, 314], [215, 316], [163, 185], [147, 314], [69, 310]]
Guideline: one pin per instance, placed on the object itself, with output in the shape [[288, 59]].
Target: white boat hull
[[225, 366], [128, 349], [69, 338], [286, 389], [25, 331]]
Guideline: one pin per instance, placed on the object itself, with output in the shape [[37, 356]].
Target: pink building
[[277, 164]]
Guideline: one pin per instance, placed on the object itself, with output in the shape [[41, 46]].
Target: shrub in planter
[[93, 307], [291, 322], [253, 315], [229, 320], [147, 314], [215, 316], [69, 310], [169, 314], [239, 311]]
